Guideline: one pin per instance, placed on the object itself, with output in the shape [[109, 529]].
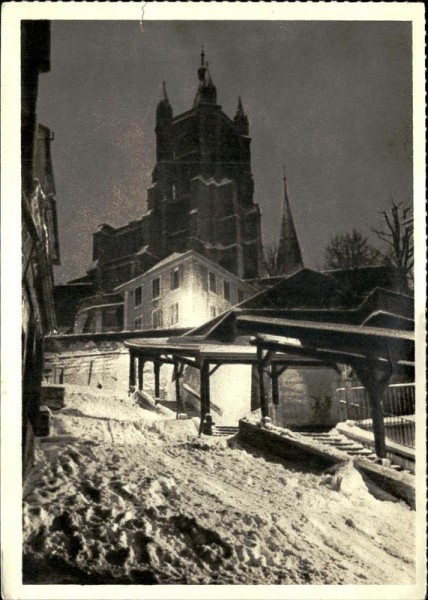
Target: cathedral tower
[[202, 192]]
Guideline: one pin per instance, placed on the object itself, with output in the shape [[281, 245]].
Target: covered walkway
[[374, 353], [207, 357]]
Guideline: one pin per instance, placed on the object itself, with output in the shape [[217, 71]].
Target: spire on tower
[[203, 68], [241, 119], [289, 257], [240, 109], [207, 92], [164, 94]]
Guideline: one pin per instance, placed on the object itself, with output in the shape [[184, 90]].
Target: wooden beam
[[325, 356], [214, 369], [205, 392], [131, 371], [156, 368], [375, 383], [166, 360], [275, 386], [141, 362], [280, 369], [178, 397], [268, 357], [187, 361], [264, 407]]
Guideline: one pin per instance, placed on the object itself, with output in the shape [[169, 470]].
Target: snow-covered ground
[[123, 494]]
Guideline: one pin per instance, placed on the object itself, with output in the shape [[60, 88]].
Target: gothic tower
[[289, 257], [202, 192]]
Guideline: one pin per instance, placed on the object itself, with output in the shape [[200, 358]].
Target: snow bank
[[146, 501]]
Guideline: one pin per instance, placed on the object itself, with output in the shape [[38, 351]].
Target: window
[[213, 311], [226, 290], [175, 279], [212, 282], [138, 323], [157, 318], [240, 296], [173, 314], [138, 298], [156, 287]]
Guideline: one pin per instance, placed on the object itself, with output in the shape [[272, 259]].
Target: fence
[[398, 409]]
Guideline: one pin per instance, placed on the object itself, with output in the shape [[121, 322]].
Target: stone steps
[[225, 430], [354, 449]]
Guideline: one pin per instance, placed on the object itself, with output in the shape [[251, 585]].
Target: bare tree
[[397, 233], [271, 259], [350, 250]]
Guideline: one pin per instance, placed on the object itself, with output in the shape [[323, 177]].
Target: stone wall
[[100, 364], [306, 398]]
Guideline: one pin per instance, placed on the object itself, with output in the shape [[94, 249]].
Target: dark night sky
[[332, 100]]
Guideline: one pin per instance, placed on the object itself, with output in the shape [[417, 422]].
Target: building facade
[[40, 247], [184, 290]]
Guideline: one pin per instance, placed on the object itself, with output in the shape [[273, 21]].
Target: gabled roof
[[314, 297], [303, 288], [167, 260]]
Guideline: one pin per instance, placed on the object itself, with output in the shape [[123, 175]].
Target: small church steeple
[[289, 257], [241, 119]]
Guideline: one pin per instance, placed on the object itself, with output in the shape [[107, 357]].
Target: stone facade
[[184, 290]]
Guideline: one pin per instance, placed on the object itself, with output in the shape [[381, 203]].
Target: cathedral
[[201, 199]]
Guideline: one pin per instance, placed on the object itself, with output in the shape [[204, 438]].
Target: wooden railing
[[398, 409]]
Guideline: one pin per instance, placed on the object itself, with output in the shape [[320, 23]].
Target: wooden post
[[140, 373], [264, 407], [156, 367], [204, 392], [375, 393], [131, 370], [177, 377], [275, 386], [375, 386]]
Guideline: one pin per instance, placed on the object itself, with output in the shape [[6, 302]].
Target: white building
[[183, 290]]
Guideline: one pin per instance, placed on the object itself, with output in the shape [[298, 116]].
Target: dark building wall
[[40, 248], [67, 299]]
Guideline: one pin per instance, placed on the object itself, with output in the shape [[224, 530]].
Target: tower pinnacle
[[203, 68], [164, 94], [241, 119], [207, 92], [163, 110]]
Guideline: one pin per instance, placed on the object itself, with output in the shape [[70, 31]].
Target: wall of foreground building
[[307, 398]]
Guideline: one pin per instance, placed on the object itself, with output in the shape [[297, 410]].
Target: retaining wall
[[285, 443]]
